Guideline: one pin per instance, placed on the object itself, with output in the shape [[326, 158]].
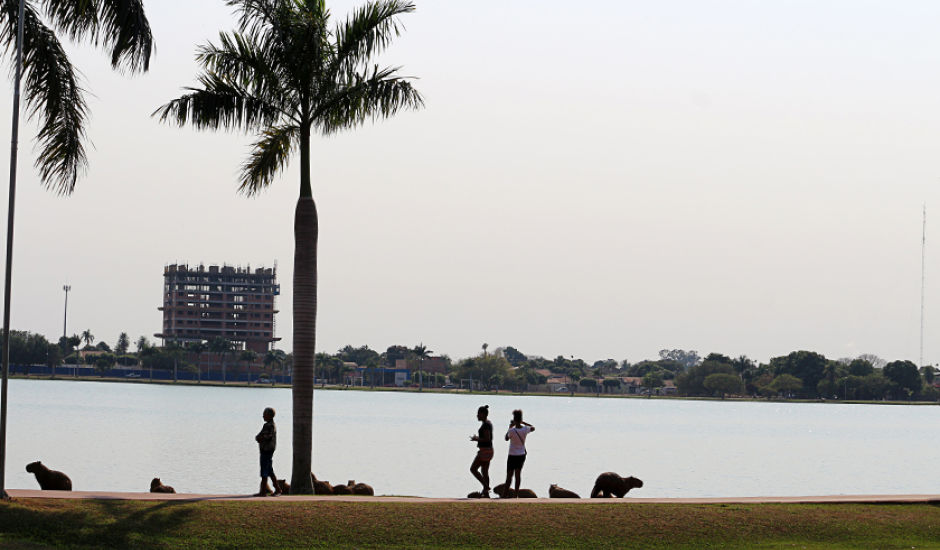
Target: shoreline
[[333, 387], [195, 497]]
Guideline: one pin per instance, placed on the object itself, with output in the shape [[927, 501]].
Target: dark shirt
[[485, 441], [267, 438]]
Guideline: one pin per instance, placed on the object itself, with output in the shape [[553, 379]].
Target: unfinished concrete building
[[202, 303]]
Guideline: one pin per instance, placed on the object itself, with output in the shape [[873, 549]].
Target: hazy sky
[[600, 179]]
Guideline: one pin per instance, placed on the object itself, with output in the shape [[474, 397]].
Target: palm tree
[[88, 337], [197, 348], [284, 74], [174, 350], [123, 343], [247, 357], [421, 352], [52, 90], [221, 347], [274, 358], [142, 344]]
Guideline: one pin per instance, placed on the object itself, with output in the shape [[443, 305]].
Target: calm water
[[116, 437]]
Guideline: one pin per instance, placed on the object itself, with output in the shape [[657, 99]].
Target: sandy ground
[[102, 495]]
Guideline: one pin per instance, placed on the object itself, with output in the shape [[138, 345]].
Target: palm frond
[[126, 31], [248, 64], [120, 25], [269, 155], [367, 31], [53, 96], [378, 94], [219, 104]]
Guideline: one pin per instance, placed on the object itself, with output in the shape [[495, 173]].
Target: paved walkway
[[101, 495]]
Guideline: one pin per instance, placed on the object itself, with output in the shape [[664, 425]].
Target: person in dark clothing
[[484, 438], [267, 442]]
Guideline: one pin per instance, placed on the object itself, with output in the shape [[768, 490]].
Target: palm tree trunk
[[305, 320]]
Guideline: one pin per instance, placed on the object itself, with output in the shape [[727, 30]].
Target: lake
[[117, 436]]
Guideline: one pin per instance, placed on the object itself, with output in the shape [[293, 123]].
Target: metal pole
[[9, 267], [65, 316]]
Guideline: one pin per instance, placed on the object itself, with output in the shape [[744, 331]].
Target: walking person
[[518, 430], [484, 438], [267, 442]]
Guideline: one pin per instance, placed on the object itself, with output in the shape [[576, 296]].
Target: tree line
[[800, 374]]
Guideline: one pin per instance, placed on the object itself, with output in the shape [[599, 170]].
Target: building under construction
[[237, 304]]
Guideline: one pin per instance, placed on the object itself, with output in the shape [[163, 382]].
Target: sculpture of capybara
[[321, 487], [49, 480], [157, 486], [362, 489], [283, 486], [475, 494], [342, 490], [504, 491], [610, 484], [554, 491]]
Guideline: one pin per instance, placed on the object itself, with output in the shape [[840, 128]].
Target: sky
[[597, 180]]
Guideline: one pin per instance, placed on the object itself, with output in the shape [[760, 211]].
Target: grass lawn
[[52, 523]]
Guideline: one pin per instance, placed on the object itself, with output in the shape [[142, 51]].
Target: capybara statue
[[49, 480], [283, 486], [321, 487], [362, 489], [475, 494], [554, 491], [157, 486], [505, 491], [610, 484]]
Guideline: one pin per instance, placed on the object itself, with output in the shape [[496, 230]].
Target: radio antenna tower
[[923, 282]]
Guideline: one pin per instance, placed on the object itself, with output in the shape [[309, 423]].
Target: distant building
[[230, 302], [428, 364]]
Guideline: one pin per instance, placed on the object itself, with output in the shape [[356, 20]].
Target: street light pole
[[9, 267], [65, 316]]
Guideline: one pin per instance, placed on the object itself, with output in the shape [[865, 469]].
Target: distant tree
[[53, 356], [222, 348], [103, 363], [723, 383], [394, 353], [123, 344], [483, 368], [905, 377], [687, 359], [142, 344], [653, 380], [692, 381], [361, 356], [808, 366], [606, 366], [247, 357], [88, 337], [274, 359], [421, 352], [874, 360], [176, 353], [928, 373], [611, 383], [742, 365], [514, 356], [196, 348], [327, 366], [103, 346], [786, 384], [861, 367]]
